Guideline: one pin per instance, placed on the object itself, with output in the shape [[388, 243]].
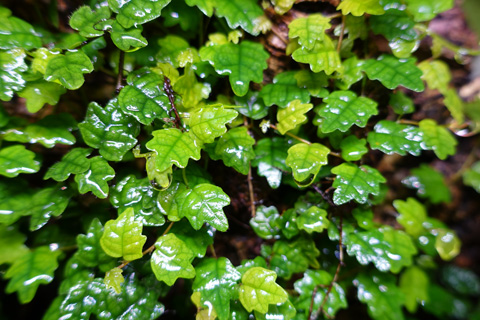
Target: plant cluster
[[161, 134]]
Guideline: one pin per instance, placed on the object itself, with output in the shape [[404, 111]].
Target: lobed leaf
[[240, 13], [313, 220], [235, 148], [48, 202], [361, 7], [306, 160], [414, 284], [394, 24], [353, 148], [265, 222], [309, 29], [39, 92], [283, 90], [17, 159], [412, 216], [12, 65], [87, 21], [437, 138], [322, 57], [16, 33], [391, 137], [209, 122], [430, 184], [69, 68], [135, 12], [12, 245], [114, 279], [95, 178], [75, 161], [90, 252], [292, 116], [270, 159], [423, 10]]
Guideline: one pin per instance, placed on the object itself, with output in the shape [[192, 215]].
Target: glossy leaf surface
[[235, 148], [353, 148], [306, 160], [284, 90], [344, 109], [394, 24], [87, 21], [258, 290], [292, 116], [355, 183], [204, 203], [172, 259], [322, 57], [401, 104], [17, 33], [309, 29], [127, 39], [96, 178], [74, 162], [69, 69], [313, 220], [17, 159], [243, 62], [215, 280], [46, 203], [437, 138], [359, 8], [412, 215], [393, 72], [89, 252], [135, 12], [265, 222], [391, 137], [39, 92], [123, 237], [114, 279], [270, 159], [430, 184], [12, 65], [240, 13], [209, 122]]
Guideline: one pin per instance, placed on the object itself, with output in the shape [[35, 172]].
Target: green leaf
[[75, 161], [471, 176], [283, 90], [447, 244], [87, 21], [265, 222], [172, 259], [114, 279], [306, 160], [355, 183], [315, 83], [361, 7], [196, 240], [412, 216], [235, 148], [437, 138], [353, 148], [368, 246], [394, 24], [430, 184], [215, 280], [292, 116], [206, 6], [30, 271], [454, 104], [127, 39], [288, 258], [240, 13], [173, 146], [391, 137], [69, 68], [436, 74], [414, 284], [204, 203], [251, 105], [258, 290], [322, 57], [95, 179], [284, 310], [317, 282], [134, 12], [270, 159], [243, 62], [462, 280], [343, 109], [209, 122], [46, 203], [143, 98], [17, 159], [309, 29], [173, 48], [12, 245], [423, 10], [352, 73], [16, 33], [364, 218], [12, 64], [393, 72], [400, 248], [188, 87], [39, 92], [89, 251], [109, 130], [401, 104], [15, 198], [383, 298], [123, 237], [313, 220]]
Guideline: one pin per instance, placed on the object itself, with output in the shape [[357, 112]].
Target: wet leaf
[[462, 280], [309, 29], [46, 203], [322, 57], [471, 177], [243, 62], [17, 159], [360, 7], [251, 105], [412, 215], [423, 10], [315, 83], [206, 6], [174, 49], [89, 251], [306, 160], [69, 68], [343, 109], [196, 240], [355, 183], [401, 104], [143, 98], [437, 138], [12, 65], [394, 24], [282, 6], [430, 184], [313, 220], [215, 280], [75, 161], [391, 137], [258, 290], [235, 148], [87, 21], [265, 222], [352, 73], [95, 178], [284, 311], [123, 237], [192, 91], [393, 72], [12, 245], [240, 13], [283, 90], [383, 298], [288, 258], [400, 248], [172, 146], [447, 244], [436, 74], [414, 284], [39, 92], [172, 259], [270, 159], [109, 130], [15, 197], [16, 33], [129, 39], [353, 148], [31, 270], [209, 122], [134, 12], [114, 279], [292, 116], [204, 203], [368, 246]]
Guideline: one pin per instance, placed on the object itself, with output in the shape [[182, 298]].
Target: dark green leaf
[[95, 179], [17, 159], [270, 159], [288, 258], [235, 148], [74, 162], [134, 12], [352, 73], [196, 240], [471, 177], [251, 105], [401, 104], [353, 148], [87, 22], [391, 137], [461, 280], [127, 39], [12, 64], [394, 24], [265, 222], [430, 184], [15, 197], [315, 83], [69, 68], [246, 14], [46, 203], [313, 220], [283, 90], [89, 251]]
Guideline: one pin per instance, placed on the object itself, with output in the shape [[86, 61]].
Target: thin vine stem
[[291, 135], [121, 62], [342, 31]]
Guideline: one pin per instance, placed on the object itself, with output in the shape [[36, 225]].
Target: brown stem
[[291, 135], [250, 190], [415, 123], [212, 249], [314, 293], [167, 87], [342, 31], [121, 62]]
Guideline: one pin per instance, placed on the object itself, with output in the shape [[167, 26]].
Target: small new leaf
[[209, 122], [114, 279], [309, 29], [292, 116], [74, 162], [306, 160], [322, 57], [69, 68], [437, 138], [360, 7], [235, 148]]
